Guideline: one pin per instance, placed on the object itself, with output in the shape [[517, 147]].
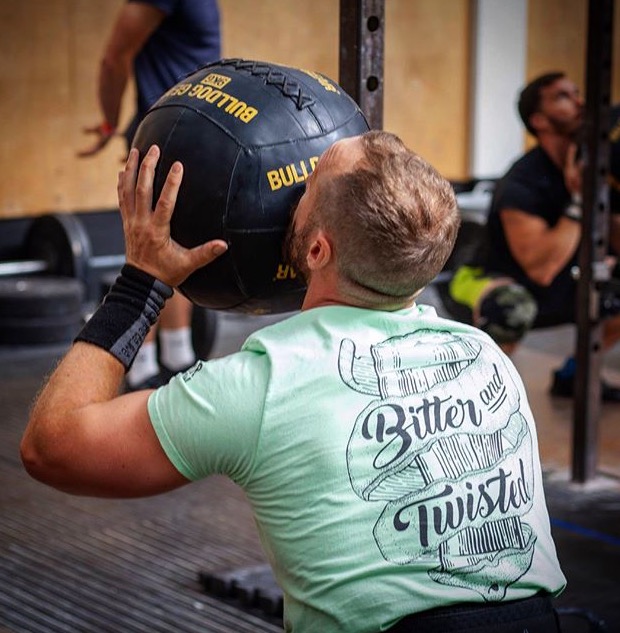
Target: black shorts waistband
[[532, 614]]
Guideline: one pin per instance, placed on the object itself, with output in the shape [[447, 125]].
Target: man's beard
[[573, 129], [579, 136]]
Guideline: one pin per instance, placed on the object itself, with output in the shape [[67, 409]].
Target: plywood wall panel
[[427, 79], [557, 38], [303, 34], [48, 68], [426, 92], [49, 63], [49, 55], [558, 31]]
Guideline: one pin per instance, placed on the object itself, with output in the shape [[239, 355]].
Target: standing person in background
[[524, 278], [158, 42]]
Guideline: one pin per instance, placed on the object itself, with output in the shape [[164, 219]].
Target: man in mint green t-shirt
[[390, 456]]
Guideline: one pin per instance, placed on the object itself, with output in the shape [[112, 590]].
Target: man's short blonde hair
[[393, 219]]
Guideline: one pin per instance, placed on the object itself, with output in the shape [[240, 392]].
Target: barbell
[[59, 244]]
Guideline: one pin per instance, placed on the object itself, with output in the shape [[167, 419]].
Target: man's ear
[[320, 251], [539, 121]]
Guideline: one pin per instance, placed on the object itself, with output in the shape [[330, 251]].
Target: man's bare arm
[[540, 250], [82, 437], [135, 23]]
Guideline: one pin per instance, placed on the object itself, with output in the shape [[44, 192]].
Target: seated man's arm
[[541, 251]]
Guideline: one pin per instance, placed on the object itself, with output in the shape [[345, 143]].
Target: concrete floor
[[585, 517], [542, 352]]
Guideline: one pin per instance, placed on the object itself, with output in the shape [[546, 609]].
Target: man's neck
[[556, 147], [324, 291]]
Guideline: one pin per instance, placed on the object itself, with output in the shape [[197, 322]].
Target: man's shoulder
[[531, 162], [531, 179]]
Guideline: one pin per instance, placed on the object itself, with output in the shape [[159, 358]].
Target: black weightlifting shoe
[[158, 380], [563, 387], [152, 382]]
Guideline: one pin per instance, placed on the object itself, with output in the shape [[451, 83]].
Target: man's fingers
[[208, 252], [91, 151], [147, 230], [88, 152], [127, 183], [144, 183], [169, 193], [102, 140], [572, 153]]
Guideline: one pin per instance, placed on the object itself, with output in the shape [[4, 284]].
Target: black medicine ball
[[248, 134]]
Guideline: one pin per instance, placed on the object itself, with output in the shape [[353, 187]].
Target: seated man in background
[[524, 278], [390, 456]]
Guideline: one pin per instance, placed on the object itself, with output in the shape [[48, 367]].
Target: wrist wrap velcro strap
[[123, 320]]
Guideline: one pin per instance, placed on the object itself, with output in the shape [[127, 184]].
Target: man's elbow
[[38, 457], [542, 278], [541, 274], [32, 459]]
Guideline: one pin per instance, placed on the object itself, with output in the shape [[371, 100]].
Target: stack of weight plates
[[39, 310]]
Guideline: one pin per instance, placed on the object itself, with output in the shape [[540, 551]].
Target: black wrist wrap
[[123, 320]]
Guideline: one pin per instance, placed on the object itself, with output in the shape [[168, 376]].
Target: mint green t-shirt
[[390, 458]]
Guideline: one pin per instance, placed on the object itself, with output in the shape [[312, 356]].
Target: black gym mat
[[76, 564]]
